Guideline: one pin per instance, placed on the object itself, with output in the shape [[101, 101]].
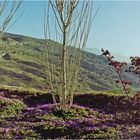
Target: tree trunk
[[64, 69]]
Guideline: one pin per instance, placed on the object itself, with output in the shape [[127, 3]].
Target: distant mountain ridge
[[117, 56]]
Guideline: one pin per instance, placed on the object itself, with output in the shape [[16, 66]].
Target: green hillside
[[22, 64]]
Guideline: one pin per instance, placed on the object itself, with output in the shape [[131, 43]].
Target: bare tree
[[69, 23], [8, 9]]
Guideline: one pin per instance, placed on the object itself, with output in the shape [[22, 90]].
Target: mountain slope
[[26, 66]]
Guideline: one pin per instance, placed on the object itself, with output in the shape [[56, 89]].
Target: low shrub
[[10, 107]]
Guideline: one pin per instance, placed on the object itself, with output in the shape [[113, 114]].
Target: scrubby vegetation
[[34, 116]]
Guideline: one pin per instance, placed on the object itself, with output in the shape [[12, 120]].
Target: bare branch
[[72, 23]]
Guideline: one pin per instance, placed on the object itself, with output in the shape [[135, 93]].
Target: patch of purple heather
[[34, 111], [2, 93], [77, 106], [111, 124], [72, 124], [46, 106], [59, 123], [89, 129], [81, 125], [5, 130], [41, 109], [6, 99], [88, 121], [30, 108], [80, 122]]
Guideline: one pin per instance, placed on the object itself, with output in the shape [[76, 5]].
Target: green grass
[[20, 89]]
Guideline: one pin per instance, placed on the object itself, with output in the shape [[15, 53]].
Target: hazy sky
[[116, 27]]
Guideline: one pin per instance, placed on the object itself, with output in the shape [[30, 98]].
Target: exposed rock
[[6, 56]]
